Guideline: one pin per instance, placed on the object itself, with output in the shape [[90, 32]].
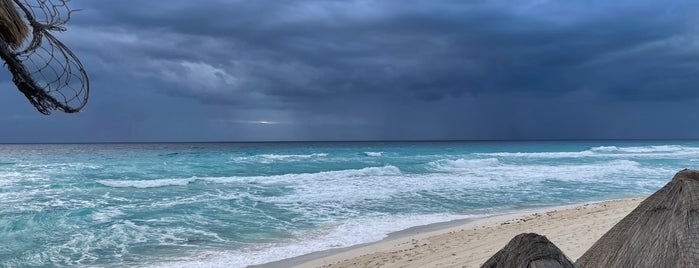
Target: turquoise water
[[233, 204]]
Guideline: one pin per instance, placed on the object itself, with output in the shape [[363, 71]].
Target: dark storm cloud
[[298, 51], [391, 69]]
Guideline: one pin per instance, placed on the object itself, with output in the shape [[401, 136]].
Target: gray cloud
[[323, 49], [360, 69]]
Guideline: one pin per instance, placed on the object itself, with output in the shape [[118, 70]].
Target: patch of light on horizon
[[260, 122]]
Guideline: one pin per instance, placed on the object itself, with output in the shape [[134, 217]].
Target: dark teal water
[[231, 205]]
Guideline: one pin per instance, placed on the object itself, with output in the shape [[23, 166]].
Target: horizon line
[[356, 141]]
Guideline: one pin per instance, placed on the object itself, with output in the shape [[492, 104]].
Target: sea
[[240, 204]]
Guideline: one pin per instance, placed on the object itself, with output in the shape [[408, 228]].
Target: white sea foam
[[642, 149], [350, 233], [605, 149], [539, 154], [146, 183], [311, 178], [291, 156], [272, 158], [336, 189], [9, 177], [655, 151], [106, 215], [373, 154], [376, 171], [613, 172], [59, 166], [118, 236], [320, 194], [579, 172], [461, 164], [492, 172], [344, 187]]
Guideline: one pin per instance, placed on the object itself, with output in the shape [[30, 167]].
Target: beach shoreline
[[470, 242]]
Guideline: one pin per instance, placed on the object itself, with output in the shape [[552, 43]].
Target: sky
[[269, 70]]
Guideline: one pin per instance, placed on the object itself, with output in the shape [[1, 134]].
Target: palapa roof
[[663, 231], [529, 251], [13, 29]]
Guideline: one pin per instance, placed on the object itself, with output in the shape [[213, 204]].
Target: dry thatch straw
[[529, 251], [663, 231], [13, 29]]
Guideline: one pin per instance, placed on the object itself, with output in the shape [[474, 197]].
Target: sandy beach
[[469, 244]]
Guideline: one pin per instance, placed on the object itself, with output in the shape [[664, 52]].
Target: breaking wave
[[658, 151], [373, 154], [309, 177], [462, 164]]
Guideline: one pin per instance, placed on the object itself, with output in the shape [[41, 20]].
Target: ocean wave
[[271, 158], [352, 232], [291, 156], [664, 151], [643, 149], [539, 154], [285, 209], [284, 178], [71, 166], [605, 149], [146, 183], [376, 171], [373, 154], [615, 173], [461, 164], [117, 235], [311, 178], [386, 182], [107, 214], [491, 173]]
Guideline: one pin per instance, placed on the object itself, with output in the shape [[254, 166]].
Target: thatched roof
[[13, 29], [663, 231], [529, 251]]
